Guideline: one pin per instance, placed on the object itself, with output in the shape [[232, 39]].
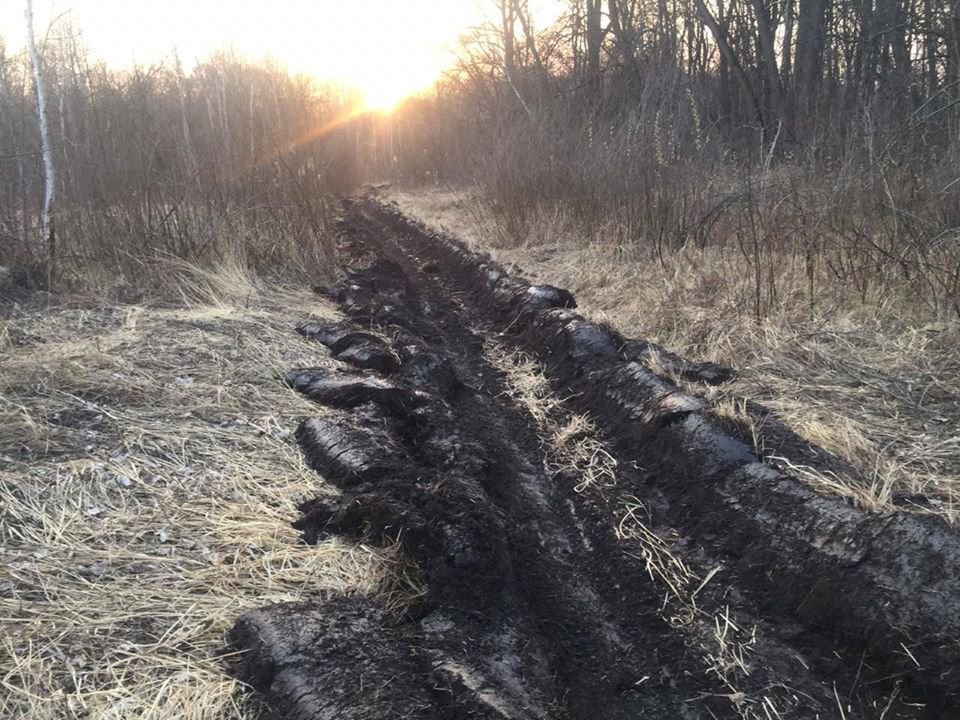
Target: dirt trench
[[536, 605]]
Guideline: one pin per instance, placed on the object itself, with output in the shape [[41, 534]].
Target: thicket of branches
[[821, 133], [233, 160]]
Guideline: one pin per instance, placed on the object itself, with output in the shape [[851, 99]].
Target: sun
[[386, 82], [382, 79], [384, 95], [403, 49]]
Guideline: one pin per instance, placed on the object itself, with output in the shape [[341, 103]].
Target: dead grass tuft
[[572, 446], [577, 447], [525, 380], [662, 564], [149, 478]]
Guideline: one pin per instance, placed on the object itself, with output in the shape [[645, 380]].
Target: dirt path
[[700, 584]]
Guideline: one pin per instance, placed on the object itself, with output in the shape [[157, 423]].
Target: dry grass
[[459, 212], [873, 382], [148, 478], [571, 444], [526, 382]]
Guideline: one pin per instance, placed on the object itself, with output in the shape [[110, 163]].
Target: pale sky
[[386, 48]]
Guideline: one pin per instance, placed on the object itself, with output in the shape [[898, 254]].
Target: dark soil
[[534, 607]]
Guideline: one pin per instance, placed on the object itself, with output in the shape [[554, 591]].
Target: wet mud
[[536, 606]]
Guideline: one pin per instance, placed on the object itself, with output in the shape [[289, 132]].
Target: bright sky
[[386, 48]]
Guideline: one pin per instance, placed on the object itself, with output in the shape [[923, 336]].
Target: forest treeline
[[819, 133], [816, 134]]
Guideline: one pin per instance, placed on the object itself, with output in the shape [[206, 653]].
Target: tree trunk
[[190, 160], [953, 41], [787, 62], [866, 54], [530, 40], [768, 58], [49, 186], [594, 42], [733, 62], [930, 48], [507, 19], [810, 41], [624, 40]]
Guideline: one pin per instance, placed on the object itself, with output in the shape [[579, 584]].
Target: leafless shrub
[[234, 160]]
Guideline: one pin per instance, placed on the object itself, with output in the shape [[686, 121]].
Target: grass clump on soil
[[874, 381], [148, 479], [571, 445]]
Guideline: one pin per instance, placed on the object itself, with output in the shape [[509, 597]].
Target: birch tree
[[49, 186]]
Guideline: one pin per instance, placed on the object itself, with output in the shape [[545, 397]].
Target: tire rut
[[535, 606]]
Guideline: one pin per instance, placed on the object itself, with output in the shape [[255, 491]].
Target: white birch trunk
[[49, 186]]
